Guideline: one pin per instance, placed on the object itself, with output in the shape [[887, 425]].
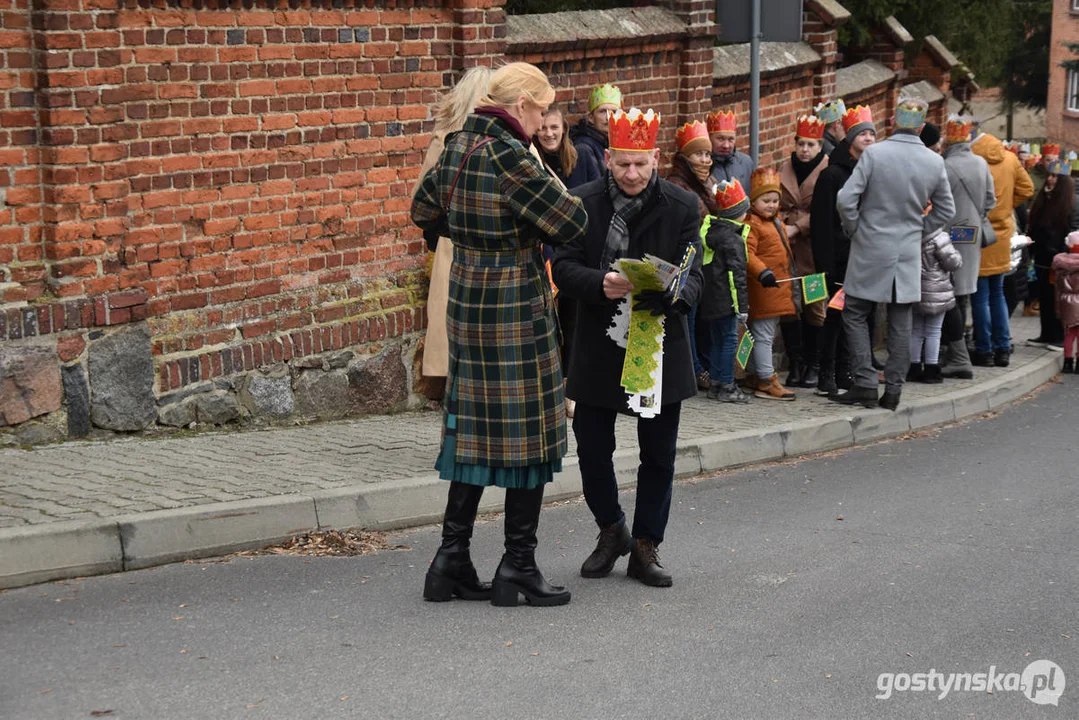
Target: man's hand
[[615, 286], [743, 319], [768, 278]]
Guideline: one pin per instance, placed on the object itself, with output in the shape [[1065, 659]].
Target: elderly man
[[882, 208], [631, 211], [727, 163]]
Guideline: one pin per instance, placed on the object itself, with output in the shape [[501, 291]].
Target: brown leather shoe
[[644, 564], [613, 542], [771, 389]]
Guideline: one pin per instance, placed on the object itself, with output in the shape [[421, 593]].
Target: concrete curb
[[59, 550]]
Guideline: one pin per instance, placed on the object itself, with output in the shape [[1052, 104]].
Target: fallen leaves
[[346, 543], [99, 713]]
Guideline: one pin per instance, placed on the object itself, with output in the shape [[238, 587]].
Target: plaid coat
[[504, 368]]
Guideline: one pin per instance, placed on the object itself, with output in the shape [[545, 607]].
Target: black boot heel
[[437, 588], [505, 595]]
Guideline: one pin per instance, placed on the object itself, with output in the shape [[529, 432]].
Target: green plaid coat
[[504, 368]]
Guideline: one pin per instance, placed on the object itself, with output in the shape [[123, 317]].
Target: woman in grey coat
[[939, 260], [974, 195]]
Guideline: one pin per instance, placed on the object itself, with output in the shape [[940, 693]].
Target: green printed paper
[[643, 345], [814, 288], [643, 274], [745, 349]]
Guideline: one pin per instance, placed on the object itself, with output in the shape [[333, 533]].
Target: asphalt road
[[797, 586]]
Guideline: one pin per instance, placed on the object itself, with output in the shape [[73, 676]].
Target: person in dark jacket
[[589, 135], [831, 248], [725, 304], [727, 163], [1052, 217], [631, 212], [831, 114]]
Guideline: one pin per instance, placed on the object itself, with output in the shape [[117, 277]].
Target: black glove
[[768, 278], [654, 301], [430, 236]]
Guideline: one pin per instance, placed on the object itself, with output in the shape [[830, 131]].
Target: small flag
[[814, 288], [683, 271], [838, 300], [745, 349]]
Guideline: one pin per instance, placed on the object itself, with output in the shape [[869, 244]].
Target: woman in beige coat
[[797, 178], [450, 113]]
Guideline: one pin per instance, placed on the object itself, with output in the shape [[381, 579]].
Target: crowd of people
[[528, 214]]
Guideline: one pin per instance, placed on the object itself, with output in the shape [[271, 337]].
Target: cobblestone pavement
[[82, 480]]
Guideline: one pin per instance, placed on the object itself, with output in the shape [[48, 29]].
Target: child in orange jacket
[[769, 261]]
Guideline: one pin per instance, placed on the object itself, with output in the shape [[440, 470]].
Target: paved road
[[796, 586]]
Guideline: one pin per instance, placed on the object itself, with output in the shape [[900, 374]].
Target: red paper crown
[[956, 131], [855, 115], [692, 137], [633, 130], [729, 194], [763, 180], [722, 122], [1050, 149], [1013, 149], [810, 127]]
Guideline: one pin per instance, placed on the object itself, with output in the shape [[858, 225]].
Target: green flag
[[745, 349], [814, 288]]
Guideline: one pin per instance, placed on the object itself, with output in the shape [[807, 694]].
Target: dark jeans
[[832, 343], [1052, 329], [658, 437], [724, 348]]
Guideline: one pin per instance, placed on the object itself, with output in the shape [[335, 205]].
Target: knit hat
[[930, 134], [606, 94], [731, 199], [856, 120], [831, 111], [763, 180]]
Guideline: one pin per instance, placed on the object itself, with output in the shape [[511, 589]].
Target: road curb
[[66, 549]]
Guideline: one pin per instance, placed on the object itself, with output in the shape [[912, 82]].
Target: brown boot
[[749, 383], [770, 389], [644, 564]]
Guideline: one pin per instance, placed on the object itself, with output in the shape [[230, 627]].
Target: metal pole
[[755, 80]]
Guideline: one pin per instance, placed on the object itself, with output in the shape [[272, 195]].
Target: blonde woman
[[504, 421], [450, 114]]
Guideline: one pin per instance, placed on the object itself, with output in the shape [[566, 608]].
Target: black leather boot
[[644, 564], [613, 542], [932, 375], [915, 373], [452, 572], [826, 379], [810, 376], [866, 397], [517, 574], [796, 374]]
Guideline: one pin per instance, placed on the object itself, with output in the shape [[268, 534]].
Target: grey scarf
[[626, 208]]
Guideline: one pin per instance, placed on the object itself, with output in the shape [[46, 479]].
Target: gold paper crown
[[634, 130], [692, 137], [763, 180], [722, 122], [957, 130], [856, 115], [810, 127], [729, 194], [606, 94]]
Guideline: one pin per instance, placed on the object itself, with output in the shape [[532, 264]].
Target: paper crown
[[958, 129], [1022, 148], [1051, 149], [1072, 156], [763, 180], [729, 194], [692, 137], [634, 130], [1031, 161], [606, 94], [831, 111], [1013, 148], [722, 122], [810, 128], [857, 115], [910, 115], [1058, 167]]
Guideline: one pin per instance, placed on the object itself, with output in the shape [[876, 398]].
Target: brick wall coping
[[731, 62], [860, 77], [941, 54], [896, 32], [830, 11], [592, 28], [922, 89]]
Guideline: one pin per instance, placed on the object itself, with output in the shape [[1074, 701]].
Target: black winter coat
[[725, 276], [831, 246], [665, 227], [590, 144]]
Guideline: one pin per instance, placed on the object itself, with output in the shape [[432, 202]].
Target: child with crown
[[631, 212], [769, 263]]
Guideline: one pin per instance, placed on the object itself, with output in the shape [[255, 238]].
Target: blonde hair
[[454, 107], [510, 82]]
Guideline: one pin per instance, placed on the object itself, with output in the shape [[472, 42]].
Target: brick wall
[[1062, 125]]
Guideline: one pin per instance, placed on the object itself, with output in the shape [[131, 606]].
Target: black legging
[[1052, 330]]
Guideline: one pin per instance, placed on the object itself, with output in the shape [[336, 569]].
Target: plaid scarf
[[626, 208]]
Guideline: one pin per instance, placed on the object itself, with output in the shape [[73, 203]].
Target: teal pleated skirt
[[526, 477]]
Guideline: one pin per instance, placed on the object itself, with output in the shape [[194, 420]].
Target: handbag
[[986, 233]]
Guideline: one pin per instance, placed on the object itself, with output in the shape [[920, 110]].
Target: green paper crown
[[606, 94]]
